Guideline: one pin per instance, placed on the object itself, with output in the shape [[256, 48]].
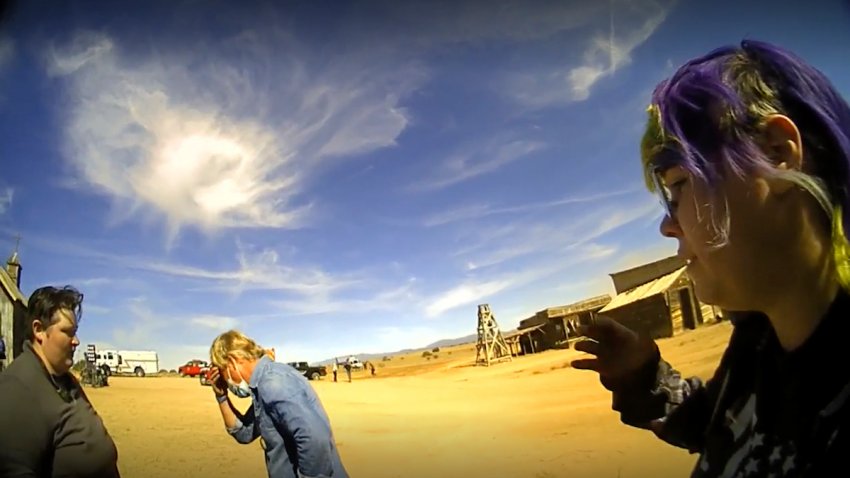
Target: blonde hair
[[234, 344]]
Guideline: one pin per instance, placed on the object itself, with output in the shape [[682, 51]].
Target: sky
[[335, 178]]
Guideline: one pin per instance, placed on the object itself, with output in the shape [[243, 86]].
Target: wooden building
[[12, 309], [553, 327], [657, 299]]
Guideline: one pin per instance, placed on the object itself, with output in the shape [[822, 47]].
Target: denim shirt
[[286, 412]]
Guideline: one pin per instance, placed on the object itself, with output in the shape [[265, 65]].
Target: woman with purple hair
[[749, 151]]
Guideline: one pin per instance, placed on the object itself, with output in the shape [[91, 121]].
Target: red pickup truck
[[193, 368], [205, 376]]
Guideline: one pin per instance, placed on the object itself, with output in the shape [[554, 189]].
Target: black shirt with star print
[[765, 412]]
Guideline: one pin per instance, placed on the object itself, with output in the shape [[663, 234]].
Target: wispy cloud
[[143, 325], [472, 290], [397, 298], [6, 195], [119, 281], [227, 142], [630, 24], [256, 270], [467, 213], [476, 159], [463, 294], [253, 269], [7, 51], [215, 322], [553, 237], [428, 23], [96, 309]]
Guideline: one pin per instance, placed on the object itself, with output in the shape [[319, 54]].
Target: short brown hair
[[44, 302]]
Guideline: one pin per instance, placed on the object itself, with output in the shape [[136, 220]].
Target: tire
[[139, 372], [314, 376]]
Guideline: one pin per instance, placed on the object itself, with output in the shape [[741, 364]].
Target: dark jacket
[[765, 412], [48, 427]]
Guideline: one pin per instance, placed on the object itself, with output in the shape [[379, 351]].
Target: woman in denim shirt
[[285, 411]]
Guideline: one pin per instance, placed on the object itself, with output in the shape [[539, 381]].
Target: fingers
[[588, 346], [587, 364], [603, 327]]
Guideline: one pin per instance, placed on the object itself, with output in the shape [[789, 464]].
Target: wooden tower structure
[[491, 344]]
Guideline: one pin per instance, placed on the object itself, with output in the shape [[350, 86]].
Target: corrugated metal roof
[[630, 278], [514, 333], [577, 307], [644, 291]]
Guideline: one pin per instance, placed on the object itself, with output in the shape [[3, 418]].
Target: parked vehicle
[[204, 376], [192, 368], [354, 362], [311, 372], [128, 362]]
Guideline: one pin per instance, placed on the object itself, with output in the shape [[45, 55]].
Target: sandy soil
[[532, 417]]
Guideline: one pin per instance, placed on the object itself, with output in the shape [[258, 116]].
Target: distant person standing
[[48, 427], [285, 410], [348, 369], [372, 368], [335, 370]]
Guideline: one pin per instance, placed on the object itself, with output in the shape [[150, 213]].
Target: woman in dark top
[[749, 150], [48, 427]]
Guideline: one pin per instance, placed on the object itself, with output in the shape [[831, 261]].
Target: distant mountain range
[[440, 343]]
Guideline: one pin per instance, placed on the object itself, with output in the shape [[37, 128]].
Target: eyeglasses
[[665, 197]]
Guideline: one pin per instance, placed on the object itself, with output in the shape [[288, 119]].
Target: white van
[[128, 362], [354, 362]]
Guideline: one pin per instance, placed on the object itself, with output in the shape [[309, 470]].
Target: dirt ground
[[440, 417]]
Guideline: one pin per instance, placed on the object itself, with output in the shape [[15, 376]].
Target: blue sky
[[340, 178]]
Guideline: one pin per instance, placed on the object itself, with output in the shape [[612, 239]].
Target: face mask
[[242, 390]]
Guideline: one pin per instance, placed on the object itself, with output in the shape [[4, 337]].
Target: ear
[[782, 143], [39, 331]]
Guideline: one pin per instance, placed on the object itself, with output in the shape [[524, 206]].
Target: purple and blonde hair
[[706, 118]]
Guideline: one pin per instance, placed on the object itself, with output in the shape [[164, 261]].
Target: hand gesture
[[219, 384], [618, 350]]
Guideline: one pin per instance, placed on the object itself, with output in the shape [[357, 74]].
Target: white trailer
[[128, 362]]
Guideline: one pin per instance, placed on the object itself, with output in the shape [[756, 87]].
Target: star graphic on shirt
[[776, 455], [752, 466], [758, 440], [788, 465]]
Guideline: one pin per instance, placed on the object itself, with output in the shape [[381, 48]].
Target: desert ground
[[440, 417]]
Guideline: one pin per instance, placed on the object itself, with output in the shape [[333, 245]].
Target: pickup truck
[[312, 373], [192, 368], [204, 377]]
